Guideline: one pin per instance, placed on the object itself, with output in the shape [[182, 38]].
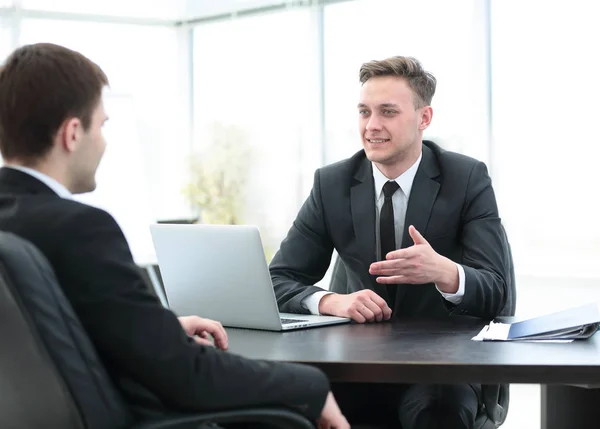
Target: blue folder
[[574, 323]]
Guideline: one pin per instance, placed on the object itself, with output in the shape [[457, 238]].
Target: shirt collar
[[405, 180], [57, 187]]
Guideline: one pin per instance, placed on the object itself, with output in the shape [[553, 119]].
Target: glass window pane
[[545, 94], [5, 39], [446, 41], [141, 177], [5, 44], [254, 89], [165, 9]]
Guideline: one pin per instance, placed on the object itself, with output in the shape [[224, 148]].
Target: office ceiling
[[168, 10]]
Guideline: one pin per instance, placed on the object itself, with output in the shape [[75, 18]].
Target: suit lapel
[[422, 197], [362, 204]]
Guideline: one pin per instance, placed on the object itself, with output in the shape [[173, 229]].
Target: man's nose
[[373, 124]]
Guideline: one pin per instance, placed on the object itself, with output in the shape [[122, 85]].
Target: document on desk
[[563, 326]]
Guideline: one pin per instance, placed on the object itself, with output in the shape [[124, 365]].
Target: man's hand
[[362, 306], [331, 416], [417, 264], [202, 329]]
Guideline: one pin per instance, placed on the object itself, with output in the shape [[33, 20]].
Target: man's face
[[89, 153], [389, 124]]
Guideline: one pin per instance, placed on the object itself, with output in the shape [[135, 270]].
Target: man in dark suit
[[417, 231], [51, 117]]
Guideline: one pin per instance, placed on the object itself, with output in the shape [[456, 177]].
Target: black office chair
[[495, 397], [50, 374], [153, 279]]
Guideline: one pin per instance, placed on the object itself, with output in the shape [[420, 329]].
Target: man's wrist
[[448, 281], [324, 304]]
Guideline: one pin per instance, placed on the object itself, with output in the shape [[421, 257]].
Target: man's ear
[[70, 133], [426, 116]]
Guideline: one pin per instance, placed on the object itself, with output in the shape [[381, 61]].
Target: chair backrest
[[511, 300], [496, 397], [153, 279], [50, 373]]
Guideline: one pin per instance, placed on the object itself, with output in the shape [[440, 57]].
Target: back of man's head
[[41, 86]]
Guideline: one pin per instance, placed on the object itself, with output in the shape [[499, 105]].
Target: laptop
[[220, 272]]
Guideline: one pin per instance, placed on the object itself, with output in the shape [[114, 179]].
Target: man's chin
[[374, 156], [84, 188]]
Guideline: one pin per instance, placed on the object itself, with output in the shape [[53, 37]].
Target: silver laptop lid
[[218, 272]]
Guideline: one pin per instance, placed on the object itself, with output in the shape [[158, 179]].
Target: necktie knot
[[389, 188]]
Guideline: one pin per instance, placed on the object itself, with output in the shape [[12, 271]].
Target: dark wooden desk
[[438, 352]]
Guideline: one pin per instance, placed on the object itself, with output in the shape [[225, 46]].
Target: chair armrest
[[281, 418]]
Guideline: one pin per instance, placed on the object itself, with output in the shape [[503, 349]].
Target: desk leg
[[570, 407]]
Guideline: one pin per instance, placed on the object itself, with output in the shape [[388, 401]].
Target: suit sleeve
[[136, 336], [484, 256], [304, 255]]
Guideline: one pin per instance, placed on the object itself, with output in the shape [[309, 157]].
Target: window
[[164, 9], [5, 38], [5, 43], [545, 96], [443, 35], [254, 83], [141, 176]]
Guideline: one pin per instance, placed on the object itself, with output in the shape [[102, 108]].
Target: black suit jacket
[[141, 342], [451, 203]]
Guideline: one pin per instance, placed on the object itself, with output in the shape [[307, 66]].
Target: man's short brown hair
[[420, 81], [41, 86]]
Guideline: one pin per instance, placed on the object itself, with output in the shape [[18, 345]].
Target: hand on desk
[[362, 306], [202, 329], [417, 264], [331, 416]]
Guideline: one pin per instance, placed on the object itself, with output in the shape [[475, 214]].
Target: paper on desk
[[499, 332], [493, 331], [576, 323]]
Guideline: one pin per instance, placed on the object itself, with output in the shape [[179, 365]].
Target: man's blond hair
[[420, 81]]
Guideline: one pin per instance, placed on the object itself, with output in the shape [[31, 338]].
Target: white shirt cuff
[[311, 302], [456, 298]]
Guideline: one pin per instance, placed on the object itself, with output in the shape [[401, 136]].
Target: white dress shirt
[[399, 202], [57, 187]]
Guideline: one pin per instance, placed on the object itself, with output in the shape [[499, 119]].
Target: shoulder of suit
[[73, 211], [345, 166], [451, 160]]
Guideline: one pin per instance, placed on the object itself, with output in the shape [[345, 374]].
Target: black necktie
[[387, 235]]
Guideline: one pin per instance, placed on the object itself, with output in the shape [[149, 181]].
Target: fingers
[[367, 306], [387, 313], [416, 235], [360, 313], [375, 309], [207, 327], [396, 272], [219, 334], [341, 423], [378, 268], [204, 338], [385, 309], [203, 341], [393, 280]]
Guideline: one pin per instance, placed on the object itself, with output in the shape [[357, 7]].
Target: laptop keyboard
[[288, 321]]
